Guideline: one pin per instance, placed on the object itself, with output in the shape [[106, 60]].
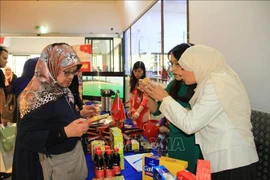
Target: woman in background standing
[[28, 72], [9, 78], [138, 110]]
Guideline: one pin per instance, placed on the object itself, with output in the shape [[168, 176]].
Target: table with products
[[129, 172], [137, 152]]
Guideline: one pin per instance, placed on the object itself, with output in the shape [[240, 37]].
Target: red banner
[[2, 40], [86, 66], [87, 48]]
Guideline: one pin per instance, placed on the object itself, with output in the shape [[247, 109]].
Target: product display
[[116, 162], [99, 165], [109, 172], [97, 118]]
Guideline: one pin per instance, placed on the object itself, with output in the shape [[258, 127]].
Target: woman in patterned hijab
[[44, 87], [50, 128]]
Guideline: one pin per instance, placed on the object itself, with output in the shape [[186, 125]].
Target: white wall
[[34, 45], [241, 31], [130, 10]]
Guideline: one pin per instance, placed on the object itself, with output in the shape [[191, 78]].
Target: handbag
[[9, 109], [151, 131], [68, 166], [7, 138]]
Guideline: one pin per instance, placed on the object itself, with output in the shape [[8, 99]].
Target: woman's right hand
[[77, 128]]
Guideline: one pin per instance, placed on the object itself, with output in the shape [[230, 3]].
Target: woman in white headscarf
[[220, 115], [9, 78]]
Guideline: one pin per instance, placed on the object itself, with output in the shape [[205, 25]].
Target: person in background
[[138, 110], [180, 145], [74, 87], [48, 142], [3, 93], [3, 63], [98, 69], [10, 76], [28, 72], [164, 75], [220, 114], [79, 106], [188, 150]]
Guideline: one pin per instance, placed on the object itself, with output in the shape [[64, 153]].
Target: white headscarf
[[209, 64]]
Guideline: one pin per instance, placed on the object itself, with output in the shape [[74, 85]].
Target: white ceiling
[[61, 17], [75, 18]]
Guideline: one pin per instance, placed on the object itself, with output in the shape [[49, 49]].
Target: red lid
[[109, 151], [107, 147], [116, 149], [99, 152], [97, 148]]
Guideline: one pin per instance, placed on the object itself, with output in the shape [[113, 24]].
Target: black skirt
[[241, 173]]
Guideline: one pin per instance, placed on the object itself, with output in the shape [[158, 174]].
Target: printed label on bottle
[[99, 173], [117, 170]]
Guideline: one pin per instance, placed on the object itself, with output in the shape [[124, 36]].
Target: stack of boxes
[[151, 162]]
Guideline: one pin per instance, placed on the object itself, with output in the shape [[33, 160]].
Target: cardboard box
[[203, 170], [135, 144], [149, 161], [96, 143], [115, 129], [185, 175], [117, 141], [162, 173]]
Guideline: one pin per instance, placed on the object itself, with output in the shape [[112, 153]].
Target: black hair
[[133, 80], [3, 49], [177, 52]]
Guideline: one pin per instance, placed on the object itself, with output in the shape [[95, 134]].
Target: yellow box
[[149, 161], [117, 141], [96, 143], [135, 144], [122, 161], [115, 129]]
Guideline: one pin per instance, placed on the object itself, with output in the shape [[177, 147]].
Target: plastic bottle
[[116, 162], [99, 165], [105, 154], [109, 164], [95, 154]]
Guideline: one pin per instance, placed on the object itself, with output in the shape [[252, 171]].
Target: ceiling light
[[42, 29]]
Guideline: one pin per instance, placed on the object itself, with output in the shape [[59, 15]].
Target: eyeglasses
[[68, 73]]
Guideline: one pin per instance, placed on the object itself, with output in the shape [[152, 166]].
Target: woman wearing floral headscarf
[[48, 142], [9, 78], [220, 115]]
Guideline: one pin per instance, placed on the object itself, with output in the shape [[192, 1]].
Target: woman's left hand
[[135, 116], [155, 91], [89, 111]]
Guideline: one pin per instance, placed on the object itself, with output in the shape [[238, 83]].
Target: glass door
[[106, 54]]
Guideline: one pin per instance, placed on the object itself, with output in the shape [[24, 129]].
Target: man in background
[[3, 63]]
